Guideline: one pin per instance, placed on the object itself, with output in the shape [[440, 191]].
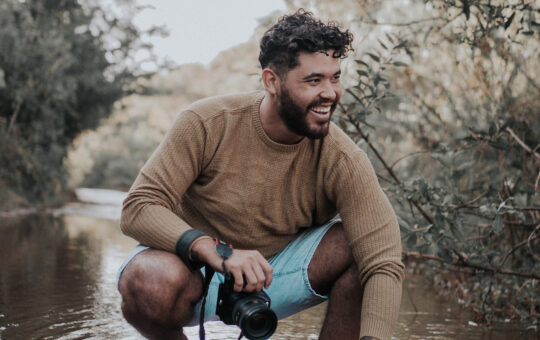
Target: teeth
[[321, 109]]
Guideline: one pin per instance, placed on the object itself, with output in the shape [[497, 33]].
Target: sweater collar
[[257, 124]]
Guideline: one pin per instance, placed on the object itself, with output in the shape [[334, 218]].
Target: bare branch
[[464, 263], [14, 115], [386, 166], [520, 142], [519, 245], [406, 156], [530, 239], [524, 208], [466, 204]]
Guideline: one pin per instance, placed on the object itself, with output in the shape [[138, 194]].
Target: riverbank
[[62, 265], [104, 203]]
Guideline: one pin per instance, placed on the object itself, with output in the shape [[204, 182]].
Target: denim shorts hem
[[290, 291]]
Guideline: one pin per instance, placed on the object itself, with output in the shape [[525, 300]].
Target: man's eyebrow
[[318, 75]]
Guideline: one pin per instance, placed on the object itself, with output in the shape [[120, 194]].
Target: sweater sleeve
[[373, 234], [147, 213]]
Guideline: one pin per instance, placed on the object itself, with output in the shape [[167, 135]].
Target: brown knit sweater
[[217, 171]]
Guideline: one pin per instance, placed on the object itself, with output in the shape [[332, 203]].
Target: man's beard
[[294, 116]]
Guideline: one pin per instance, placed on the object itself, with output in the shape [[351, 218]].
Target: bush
[[452, 98], [58, 77]]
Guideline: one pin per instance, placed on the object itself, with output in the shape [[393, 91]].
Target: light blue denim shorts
[[290, 291]]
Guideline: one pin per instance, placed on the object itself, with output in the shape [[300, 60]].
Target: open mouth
[[321, 112]]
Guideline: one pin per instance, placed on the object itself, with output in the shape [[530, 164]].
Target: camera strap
[[225, 251], [208, 274]]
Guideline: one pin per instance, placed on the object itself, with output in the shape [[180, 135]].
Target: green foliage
[[454, 100], [58, 77]]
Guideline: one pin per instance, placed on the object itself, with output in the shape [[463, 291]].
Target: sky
[[200, 29]]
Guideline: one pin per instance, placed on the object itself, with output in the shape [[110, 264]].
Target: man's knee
[[332, 259], [350, 280], [156, 286]]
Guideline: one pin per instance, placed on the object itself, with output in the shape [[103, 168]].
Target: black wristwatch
[[225, 251]]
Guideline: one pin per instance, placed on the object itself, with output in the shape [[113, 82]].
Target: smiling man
[[266, 172]]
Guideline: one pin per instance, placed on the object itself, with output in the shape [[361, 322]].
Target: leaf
[[509, 21], [382, 44], [374, 57], [362, 73], [434, 248], [401, 44], [447, 199], [427, 33], [498, 224], [439, 220], [499, 145], [464, 166], [403, 224], [2, 79], [443, 158], [466, 8], [389, 38], [446, 254], [411, 241], [358, 61], [492, 129], [400, 64]]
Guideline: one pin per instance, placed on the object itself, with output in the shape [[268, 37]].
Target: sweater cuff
[[182, 248]]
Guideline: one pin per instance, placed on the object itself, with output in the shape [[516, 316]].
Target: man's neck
[[273, 125]]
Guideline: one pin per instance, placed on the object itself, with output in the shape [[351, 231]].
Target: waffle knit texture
[[217, 171]]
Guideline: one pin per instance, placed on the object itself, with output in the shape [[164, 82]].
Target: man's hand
[[249, 268]]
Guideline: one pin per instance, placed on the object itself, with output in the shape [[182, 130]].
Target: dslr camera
[[249, 311]]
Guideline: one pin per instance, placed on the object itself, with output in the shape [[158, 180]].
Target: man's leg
[[158, 294], [332, 271]]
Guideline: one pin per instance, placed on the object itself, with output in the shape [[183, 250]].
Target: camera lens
[[259, 325], [257, 321]]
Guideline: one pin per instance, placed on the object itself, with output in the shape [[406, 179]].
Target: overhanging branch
[[466, 264], [386, 166]]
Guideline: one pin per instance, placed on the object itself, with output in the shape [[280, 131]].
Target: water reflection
[[58, 282]]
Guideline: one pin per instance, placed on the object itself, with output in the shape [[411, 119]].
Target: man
[[266, 172]]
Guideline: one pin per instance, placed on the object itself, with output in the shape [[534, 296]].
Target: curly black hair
[[301, 32]]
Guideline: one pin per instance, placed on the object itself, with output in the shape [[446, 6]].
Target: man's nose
[[328, 91]]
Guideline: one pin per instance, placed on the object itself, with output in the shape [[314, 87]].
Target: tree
[[452, 98], [62, 67]]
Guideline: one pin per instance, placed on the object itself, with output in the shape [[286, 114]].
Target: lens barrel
[[249, 311], [255, 318]]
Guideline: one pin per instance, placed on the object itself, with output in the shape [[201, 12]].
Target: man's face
[[310, 93]]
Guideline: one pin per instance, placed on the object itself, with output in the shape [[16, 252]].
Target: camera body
[[249, 311]]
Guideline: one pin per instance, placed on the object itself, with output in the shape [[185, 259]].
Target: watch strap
[[225, 251], [183, 247]]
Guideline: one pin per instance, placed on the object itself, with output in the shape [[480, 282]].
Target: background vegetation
[[446, 102], [63, 65], [442, 94]]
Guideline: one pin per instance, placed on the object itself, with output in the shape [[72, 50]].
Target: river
[[58, 281]]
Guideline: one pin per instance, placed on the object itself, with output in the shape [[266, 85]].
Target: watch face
[[224, 250]]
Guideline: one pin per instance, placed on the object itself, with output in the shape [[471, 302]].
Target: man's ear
[[271, 81]]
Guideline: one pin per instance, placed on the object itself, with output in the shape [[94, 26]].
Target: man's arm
[[147, 213], [373, 233], [148, 217]]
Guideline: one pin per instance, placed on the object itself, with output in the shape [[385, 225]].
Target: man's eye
[[314, 81]]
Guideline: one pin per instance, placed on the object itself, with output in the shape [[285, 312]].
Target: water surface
[[58, 281]]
